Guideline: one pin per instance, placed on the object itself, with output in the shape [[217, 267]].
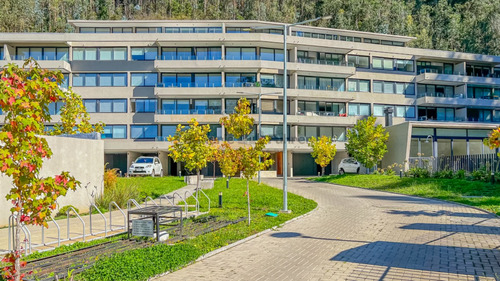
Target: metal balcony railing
[[189, 111]]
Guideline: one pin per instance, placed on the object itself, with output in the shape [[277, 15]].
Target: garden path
[[360, 234]]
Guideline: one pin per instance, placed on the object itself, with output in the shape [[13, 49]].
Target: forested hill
[[459, 25]]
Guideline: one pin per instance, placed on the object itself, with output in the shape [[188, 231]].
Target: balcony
[[455, 79], [60, 65], [216, 65], [458, 101], [314, 67]]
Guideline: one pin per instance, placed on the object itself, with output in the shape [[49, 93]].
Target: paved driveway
[[358, 234]]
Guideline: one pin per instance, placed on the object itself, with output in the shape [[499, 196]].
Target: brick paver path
[[358, 234]]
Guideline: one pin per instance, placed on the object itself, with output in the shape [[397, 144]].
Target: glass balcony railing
[[324, 62], [189, 111], [190, 57], [40, 58], [188, 85], [321, 113], [322, 88], [441, 95]]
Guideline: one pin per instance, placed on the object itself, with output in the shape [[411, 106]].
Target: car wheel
[[153, 173], [161, 173], [357, 171], [341, 172]]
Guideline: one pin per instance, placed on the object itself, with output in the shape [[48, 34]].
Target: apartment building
[[142, 78]]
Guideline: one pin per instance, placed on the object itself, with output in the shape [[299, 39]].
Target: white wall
[[83, 158]]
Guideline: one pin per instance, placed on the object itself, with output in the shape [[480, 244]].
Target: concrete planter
[[191, 179]]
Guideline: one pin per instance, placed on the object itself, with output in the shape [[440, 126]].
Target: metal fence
[[469, 163]]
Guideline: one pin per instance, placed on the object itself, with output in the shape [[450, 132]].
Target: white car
[[146, 166], [349, 165]]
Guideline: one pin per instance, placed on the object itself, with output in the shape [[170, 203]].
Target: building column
[[163, 155]]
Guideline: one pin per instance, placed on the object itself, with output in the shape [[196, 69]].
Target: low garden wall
[[83, 158]]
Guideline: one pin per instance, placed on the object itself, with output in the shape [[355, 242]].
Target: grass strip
[[474, 193]]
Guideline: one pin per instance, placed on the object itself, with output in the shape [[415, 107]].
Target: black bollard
[[220, 199], [400, 173]]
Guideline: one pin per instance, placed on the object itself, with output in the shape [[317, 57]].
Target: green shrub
[[444, 174], [460, 174], [483, 174], [121, 193], [418, 172], [62, 211], [140, 264]]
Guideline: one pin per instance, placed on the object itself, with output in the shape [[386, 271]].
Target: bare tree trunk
[[214, 169], [197, 182], [322, 171], [17, 247], [248, 202]]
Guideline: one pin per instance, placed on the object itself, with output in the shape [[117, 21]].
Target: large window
[[236, 53], [359, 61], [114, 132], [191, 80], [435, 91], [144, 79], [240, 79], [122, 30], [144, 105], [95, 30], [406, 111], [480, 115], [146, 53], [148, 30], [106, 105], [55, 108], [143, 131], [336, 133], [436, 113], [1, 54], [175, 106], [322, 108], [392, 64], [193, 29], [474, 92], [272, 54], [359, 109], [388, 87], [271, 80], [99, 79], [356, 85], [41, 53], [270, 106], [434, 67], [187, 53], [105, 54], [321, 83], [330, 59], [478, 70]]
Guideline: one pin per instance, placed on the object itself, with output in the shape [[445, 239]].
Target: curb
[[415, 196], [239, 242]]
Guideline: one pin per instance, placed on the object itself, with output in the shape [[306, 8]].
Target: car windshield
[[144, 160]]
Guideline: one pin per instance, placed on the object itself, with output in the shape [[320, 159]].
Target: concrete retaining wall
[[83, 158]]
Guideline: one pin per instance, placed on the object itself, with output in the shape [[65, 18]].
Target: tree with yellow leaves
[[246, 158], [191, 146], [324, 151]]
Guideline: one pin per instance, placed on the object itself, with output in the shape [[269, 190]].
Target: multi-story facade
[[142, 78]]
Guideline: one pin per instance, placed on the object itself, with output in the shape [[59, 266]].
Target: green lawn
[[446, 189], [138, 264], [154, 187]]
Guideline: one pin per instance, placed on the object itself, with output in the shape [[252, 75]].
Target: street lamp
[[259, 130], [285, 27]]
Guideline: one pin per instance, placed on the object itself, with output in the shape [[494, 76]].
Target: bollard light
[[400, 173], [220, 199], [227, 182]]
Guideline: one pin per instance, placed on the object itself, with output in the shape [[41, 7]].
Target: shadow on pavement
[[467, 228], [440, 213], [454, 260]]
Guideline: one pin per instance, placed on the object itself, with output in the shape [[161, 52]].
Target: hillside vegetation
[[458, 25]]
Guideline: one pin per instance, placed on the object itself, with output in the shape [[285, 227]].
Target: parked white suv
[[349, 165], [146, 166]]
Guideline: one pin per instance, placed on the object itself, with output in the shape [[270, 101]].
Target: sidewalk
[[76, 227]]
